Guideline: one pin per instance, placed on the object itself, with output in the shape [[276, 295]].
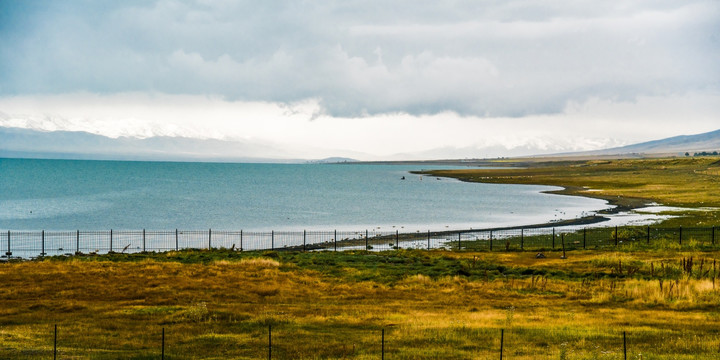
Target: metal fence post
[[490, 240], [616, 235], [269, 341], [77, 242], [272, 239], [209, 239], [143, 240], [624, 347], [111, 239], [382, 344], [241, 240], [176, 240], [522, 239], [397, 239], [335, 240], [42, 246], [8, 253], [428, 238], [459, 240], [502, 340], [680, 235], [304, 239]]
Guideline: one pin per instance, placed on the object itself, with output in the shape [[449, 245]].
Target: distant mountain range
[[676, 145], [29, 143]]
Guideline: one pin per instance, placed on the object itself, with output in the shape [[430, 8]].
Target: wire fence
[[278, 342], [30, 244]]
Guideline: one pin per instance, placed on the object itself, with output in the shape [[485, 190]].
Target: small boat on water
[[402, 178]]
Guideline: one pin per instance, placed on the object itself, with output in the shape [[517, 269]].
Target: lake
[[98, 195]]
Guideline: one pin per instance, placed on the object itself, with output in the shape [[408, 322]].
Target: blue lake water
[[99, 195]]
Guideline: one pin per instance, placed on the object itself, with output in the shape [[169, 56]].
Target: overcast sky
[[366, 78]]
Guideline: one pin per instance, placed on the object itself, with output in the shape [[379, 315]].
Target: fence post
[[209, 239], [241, 240], [624, 347], [382, 344], [553, 235], [272, 239], [502, 340], [8, 253], [77, 242], [366, 240], [397, 239], [680, 235], [143, 240], [459, 240], [616, 235], [162, 356], [490, 240], [304, 239], [55, 344], [584, 238], [269, 341], [42, 251], [522, 239], [335, 240], [111, 239], [428, 238], [176, 240]]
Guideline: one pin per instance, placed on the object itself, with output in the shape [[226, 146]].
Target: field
[[325, 305], [685, 182], [220, 304]]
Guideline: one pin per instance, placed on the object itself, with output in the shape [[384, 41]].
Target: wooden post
[[562, 238], [502, 340], [459, 240]]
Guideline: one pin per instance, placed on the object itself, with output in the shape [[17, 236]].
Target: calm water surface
[[95, 195]]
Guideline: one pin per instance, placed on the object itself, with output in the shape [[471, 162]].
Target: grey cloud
[[504, 58]]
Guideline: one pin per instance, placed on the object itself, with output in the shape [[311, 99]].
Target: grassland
[[432, 304], [684, 182], [325, 305]]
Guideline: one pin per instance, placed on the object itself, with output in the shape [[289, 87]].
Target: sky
[[366, 79]]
